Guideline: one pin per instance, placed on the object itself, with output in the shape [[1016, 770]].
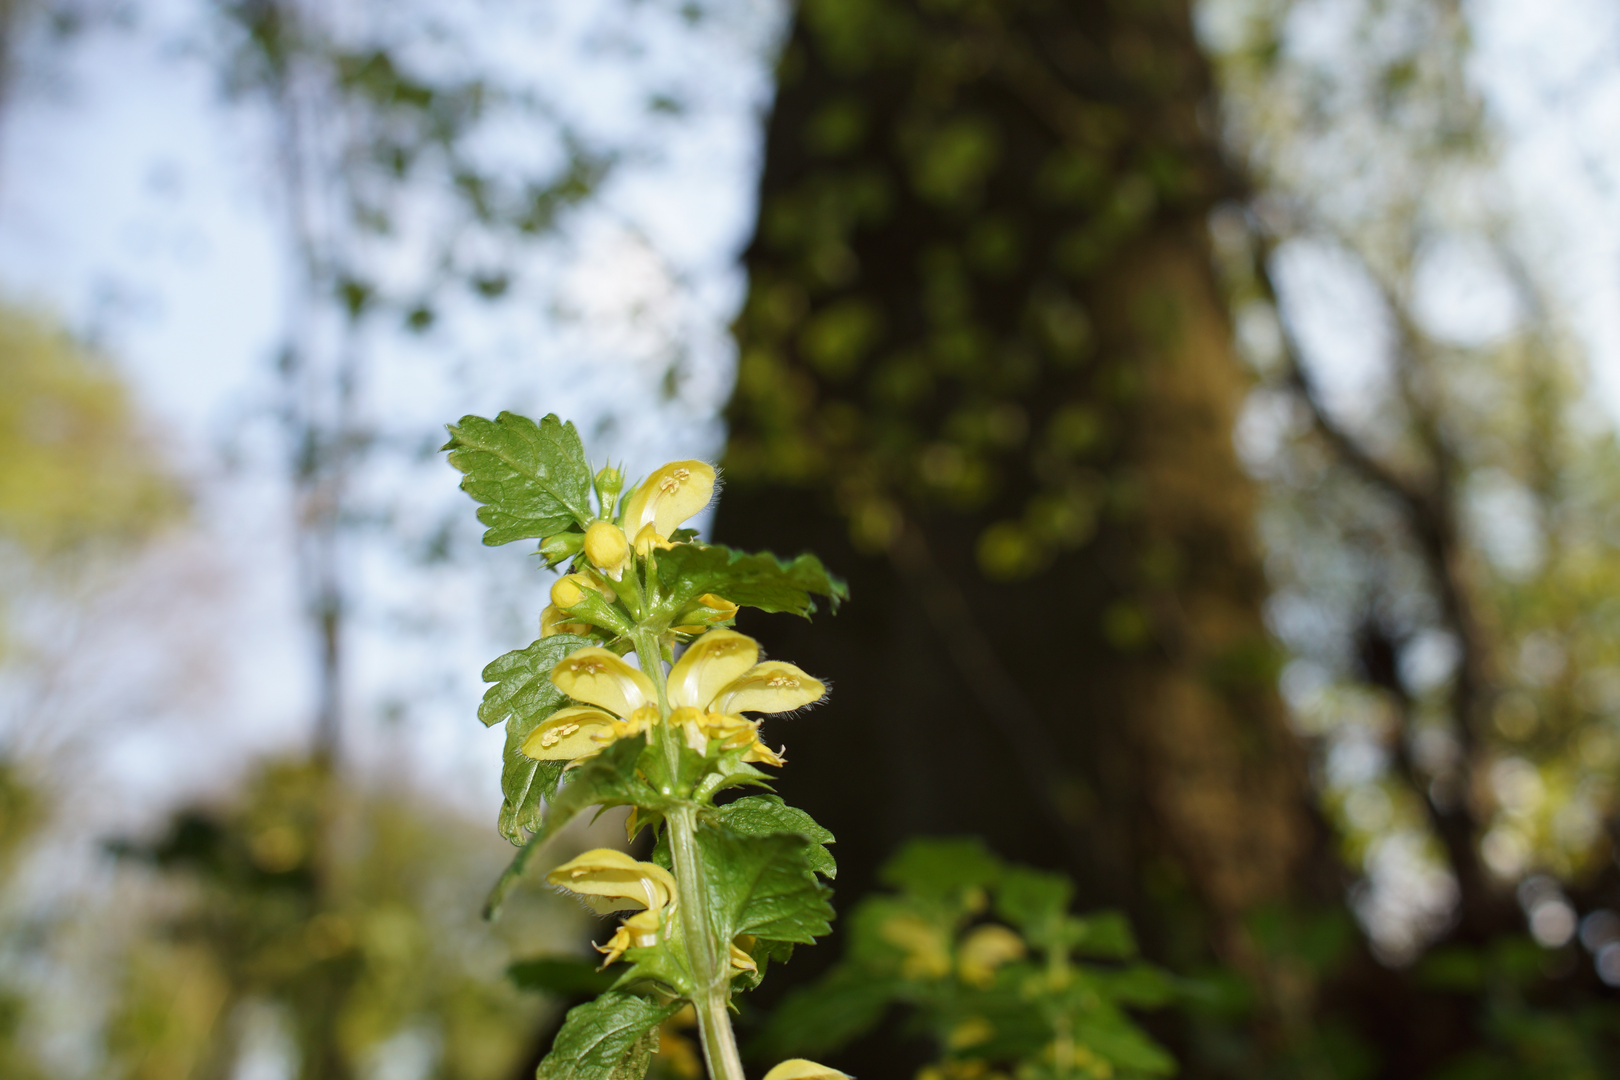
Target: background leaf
[[611, 1038], [687, 571], [533, 479], [762, 815], [560, 975]]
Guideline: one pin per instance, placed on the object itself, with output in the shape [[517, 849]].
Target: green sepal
[[608, 779], [762, 815], [762, 885], [611, 1038], [559, 975], [661, 964], [533, 479], [687, 571], [729, 770]]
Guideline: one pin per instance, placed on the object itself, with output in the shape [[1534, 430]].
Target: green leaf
[[687, 571], [1105, 934], [611, 1038], [522, 680], [762, 815], [828, 1015], [1141, 985], [533, 479], [556, 975], [1124, 1045], [1034, 901], [524, 694], [608, 779], [939, 869], [762, 885]]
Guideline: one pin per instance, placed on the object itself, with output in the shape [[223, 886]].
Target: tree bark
[[1000, 400]]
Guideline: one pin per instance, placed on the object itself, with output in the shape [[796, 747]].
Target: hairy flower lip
[[609, 880], [670, 495]]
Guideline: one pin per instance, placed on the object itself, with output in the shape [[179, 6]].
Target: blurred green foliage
[[79, 467], [345, 923], [986, 962]]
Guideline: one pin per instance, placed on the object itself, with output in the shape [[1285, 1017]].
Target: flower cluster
[[718, 679]]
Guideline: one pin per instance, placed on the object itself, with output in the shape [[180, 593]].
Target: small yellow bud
[[606, 548], [565, 592]]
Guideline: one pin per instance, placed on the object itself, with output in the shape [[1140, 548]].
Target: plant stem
[[708, 957]]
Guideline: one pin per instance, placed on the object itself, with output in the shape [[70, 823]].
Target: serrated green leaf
[[522, 679], [533, 479], [611, 1038], [609, 779], [687, 571], [524, 694], [762, 885], [762, 815], [559, 975]]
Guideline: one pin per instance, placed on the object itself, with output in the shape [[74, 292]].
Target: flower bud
[[609, 482], [561, 546], [606, 548], [565, 592]]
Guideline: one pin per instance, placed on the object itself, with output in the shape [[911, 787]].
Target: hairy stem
[[707, 955]]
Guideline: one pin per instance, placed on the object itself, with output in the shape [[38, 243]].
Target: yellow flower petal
[[801, 1069], [598, 677], [669, 496], [984, 950], [708, 665], [609, 880], [567, 734], [741, 961], [774, 686], [764, 755]]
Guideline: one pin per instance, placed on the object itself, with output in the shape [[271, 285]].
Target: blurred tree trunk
[[986, 372]]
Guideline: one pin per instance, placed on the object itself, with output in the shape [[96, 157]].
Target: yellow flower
[[800, 1069], [639, 931], [624, 700], [666, 499], [984, 950], [720, 676], [609, 881], [927, 953]]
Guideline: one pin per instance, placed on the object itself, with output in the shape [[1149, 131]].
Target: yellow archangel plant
[[732, 883]]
